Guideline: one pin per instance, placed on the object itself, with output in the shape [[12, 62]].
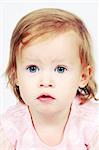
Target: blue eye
[[32, 69], [60, 69]]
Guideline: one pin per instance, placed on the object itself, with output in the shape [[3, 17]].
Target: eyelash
[[61, 68], [31, 68], [34, 68]]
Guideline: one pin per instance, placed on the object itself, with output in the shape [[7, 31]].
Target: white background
[[11, 12]]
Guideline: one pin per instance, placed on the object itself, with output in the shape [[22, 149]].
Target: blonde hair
[[44, 23]]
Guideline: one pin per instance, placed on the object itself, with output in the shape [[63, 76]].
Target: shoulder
[[15, 113], [94, 141], [88, 111], [86, 119], [4, 142], [13, 120]]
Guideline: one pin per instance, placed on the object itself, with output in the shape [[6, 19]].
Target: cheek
[[70, 80], [26, 81], [27, 87], [69, 85]]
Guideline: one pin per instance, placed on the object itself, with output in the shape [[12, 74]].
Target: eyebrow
[[32, 59], [38, 60]]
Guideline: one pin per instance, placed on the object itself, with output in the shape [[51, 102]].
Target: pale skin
[[47, 56]]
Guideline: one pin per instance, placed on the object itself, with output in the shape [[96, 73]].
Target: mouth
[[45, 98]]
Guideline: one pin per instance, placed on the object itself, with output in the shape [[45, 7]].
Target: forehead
[[61, 47]]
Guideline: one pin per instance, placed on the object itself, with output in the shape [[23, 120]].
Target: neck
[[49, 120], [50, 127]]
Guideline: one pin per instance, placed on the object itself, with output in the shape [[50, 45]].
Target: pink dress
[[82, 127]]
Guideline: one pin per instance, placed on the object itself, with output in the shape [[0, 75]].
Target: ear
[[85, 76], [16, 80]]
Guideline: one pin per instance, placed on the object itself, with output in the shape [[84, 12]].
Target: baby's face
[[53, 68]]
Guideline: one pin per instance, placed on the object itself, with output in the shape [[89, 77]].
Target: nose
[[46, 85], [46, 81]]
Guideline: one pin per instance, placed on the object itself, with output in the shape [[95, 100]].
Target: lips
[[45, 98]]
